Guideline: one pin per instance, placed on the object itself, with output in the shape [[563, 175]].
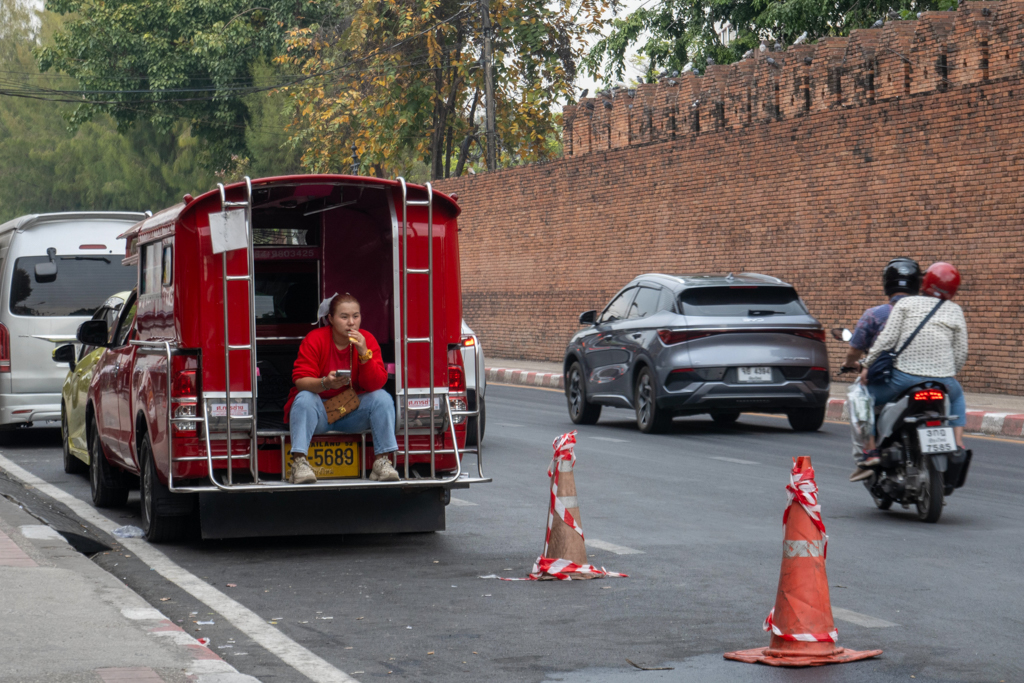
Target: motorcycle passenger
[[937, 353], [325, 350]]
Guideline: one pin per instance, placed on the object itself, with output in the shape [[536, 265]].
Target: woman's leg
[[307, 417], [376, 412]]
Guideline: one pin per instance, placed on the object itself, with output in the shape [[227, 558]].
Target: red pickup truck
[[188, 397]]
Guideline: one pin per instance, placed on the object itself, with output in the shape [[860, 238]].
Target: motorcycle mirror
[[847, 335], [841, 334]]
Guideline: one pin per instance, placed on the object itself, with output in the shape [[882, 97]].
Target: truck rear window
[[741, 301], [82, 285]]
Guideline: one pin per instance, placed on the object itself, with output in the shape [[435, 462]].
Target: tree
[[672, 34], [401, 79], [165, 61]]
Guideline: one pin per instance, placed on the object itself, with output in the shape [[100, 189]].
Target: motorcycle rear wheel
[[929, 495]]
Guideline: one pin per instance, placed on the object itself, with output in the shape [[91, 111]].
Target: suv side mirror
[[65, 354], [588, 318], [93, 333]]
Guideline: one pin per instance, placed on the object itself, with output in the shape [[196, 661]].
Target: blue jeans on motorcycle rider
[[937, 352]]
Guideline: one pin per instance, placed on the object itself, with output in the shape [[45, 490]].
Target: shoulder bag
[[340, 405], [880, 372]]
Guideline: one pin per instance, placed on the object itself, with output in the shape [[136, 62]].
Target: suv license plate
[[754, 375], [329, 459], [936, 439]]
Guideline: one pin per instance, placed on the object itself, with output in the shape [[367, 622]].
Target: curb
[[999, 424]]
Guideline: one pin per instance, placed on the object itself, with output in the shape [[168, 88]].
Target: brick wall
[[905, 140]]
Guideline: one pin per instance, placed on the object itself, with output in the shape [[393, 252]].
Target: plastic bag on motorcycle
[[862, 415]]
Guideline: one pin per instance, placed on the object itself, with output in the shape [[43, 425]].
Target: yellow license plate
[[329, 459]]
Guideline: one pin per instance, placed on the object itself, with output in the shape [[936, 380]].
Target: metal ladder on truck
[[402, 366]]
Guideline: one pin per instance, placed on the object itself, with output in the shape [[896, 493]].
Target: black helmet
[[901, 275]]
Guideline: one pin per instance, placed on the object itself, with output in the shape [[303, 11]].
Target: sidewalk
[[64, 618], [986, 413]]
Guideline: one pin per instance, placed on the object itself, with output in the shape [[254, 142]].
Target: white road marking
[[606, 438], [458, 502], [735, 460], [40, 532], [860, 619], [247, 621], [508, 424], [612, 548]]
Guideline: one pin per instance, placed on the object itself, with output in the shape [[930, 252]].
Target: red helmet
[[941, 280]]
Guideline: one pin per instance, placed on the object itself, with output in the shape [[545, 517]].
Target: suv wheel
[[165, 515], [580, 412], [649, 417], [72, 465], [807, 420], [105, 482]]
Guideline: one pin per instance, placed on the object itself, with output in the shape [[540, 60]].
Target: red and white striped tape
[[769, 625], [557, 568], [804, 490]]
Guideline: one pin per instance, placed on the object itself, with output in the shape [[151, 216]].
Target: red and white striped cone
[[803, 633]]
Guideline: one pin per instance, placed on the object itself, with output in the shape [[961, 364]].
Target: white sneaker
[[302, 473], [383, 470]]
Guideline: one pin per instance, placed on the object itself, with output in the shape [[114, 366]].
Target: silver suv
[[690, 344]]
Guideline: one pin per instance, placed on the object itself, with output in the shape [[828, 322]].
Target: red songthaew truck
[[189, 395]]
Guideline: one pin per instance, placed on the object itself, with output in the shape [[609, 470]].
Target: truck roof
[[33, 219]]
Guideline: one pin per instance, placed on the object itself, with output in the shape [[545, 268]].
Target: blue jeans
[[883, 393], [376, 412]]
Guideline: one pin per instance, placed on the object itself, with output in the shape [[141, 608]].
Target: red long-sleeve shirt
[[318, 357]]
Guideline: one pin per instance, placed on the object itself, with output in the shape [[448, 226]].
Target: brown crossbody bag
[[347, 401]]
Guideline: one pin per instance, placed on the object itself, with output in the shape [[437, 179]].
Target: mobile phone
[[343, 374]]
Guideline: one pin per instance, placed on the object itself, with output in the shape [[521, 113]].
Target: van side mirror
[[93, 333], [65, 354], [47, 270], [588, 318]]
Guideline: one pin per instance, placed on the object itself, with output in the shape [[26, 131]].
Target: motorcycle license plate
[[329, 459], [754, 375], [936, 439]]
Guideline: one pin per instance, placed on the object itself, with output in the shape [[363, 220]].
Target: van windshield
[[741, 301], [82, 285]]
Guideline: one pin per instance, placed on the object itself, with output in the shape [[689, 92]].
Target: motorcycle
[[920, 461]]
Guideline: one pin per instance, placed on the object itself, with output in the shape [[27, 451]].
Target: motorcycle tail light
[[929, 395], [933, 423]]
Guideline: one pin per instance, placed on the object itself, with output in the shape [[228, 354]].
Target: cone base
[[575, 577], [760, 655]]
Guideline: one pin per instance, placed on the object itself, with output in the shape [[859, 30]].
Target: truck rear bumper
[[24, 408]]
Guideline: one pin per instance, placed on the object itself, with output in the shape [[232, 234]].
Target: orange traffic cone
[[803, 633], [565, 553]]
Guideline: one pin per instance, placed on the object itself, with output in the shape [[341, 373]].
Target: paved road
[[703, 507]]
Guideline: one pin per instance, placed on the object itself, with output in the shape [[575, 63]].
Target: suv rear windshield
[[82, 284], [741, 301]]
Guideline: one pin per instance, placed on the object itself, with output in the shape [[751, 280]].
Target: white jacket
[[938, 350]]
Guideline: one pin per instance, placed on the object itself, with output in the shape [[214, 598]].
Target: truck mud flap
[[317, 513]]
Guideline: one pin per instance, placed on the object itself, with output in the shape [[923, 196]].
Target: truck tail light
[[468, 341], [184, 395], [456, 379], [457, 401], [5, 349]]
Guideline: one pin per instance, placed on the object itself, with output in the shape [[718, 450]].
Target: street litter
[[231, 585], [651, 668], [205, 623], [221, 647], [326, 618], [164, 599], [409, 627], [431, 652], [358, 618], [129, 532], [204, 641]]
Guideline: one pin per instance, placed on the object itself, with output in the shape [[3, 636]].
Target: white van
[[55, 270]]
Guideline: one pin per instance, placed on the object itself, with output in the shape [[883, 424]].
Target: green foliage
[[165, 61], [45, 167], [670, 34]]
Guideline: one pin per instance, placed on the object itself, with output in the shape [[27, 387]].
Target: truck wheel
[[807, 420], [72, 465], [580, 412], [929, 496], [649, 417], [105, 482], [165, 515], [471, 425]]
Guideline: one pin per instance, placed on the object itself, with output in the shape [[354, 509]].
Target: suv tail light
[[5, 349], [184, 394], [669, 337], [929, 395]]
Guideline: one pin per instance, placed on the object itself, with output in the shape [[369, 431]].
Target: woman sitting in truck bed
[[340, 346]]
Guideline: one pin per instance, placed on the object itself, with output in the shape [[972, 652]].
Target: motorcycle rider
[[901, 277], [937, 353]]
